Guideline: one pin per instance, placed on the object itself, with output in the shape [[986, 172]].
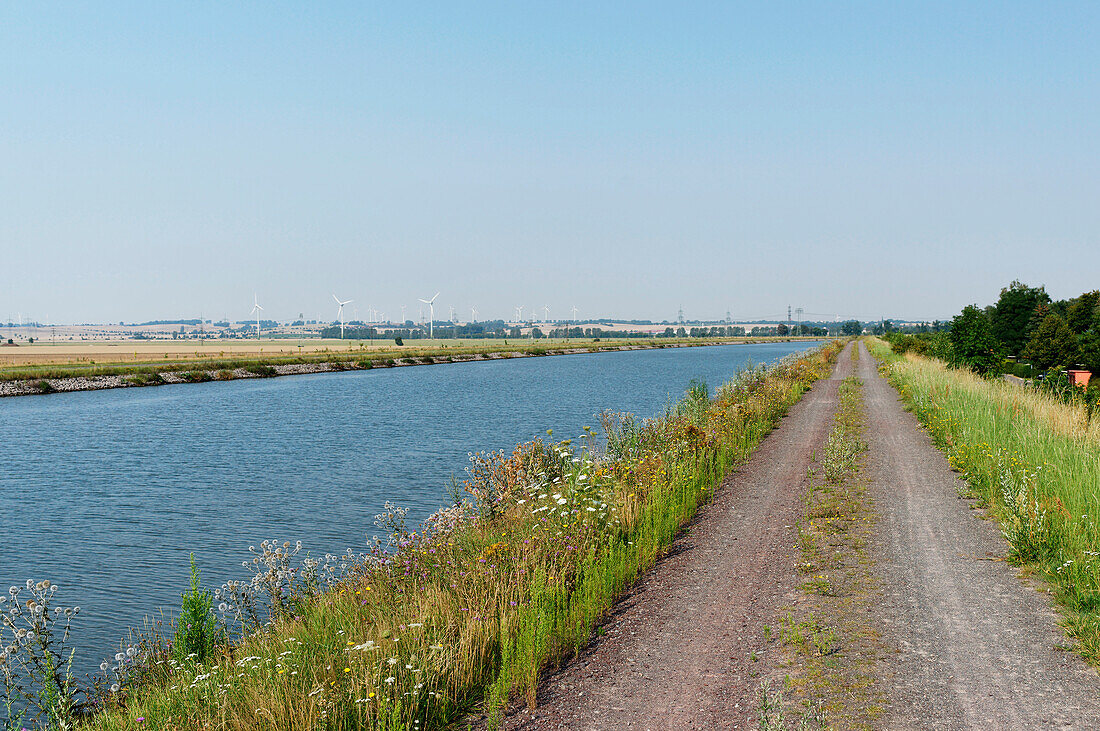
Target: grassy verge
[[465, 614], [351, 358], [1033, 461], [832, 646]]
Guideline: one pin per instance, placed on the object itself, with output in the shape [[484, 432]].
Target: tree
[[781, 329], [1089, 350], [1053, 344], [1041, 311], [1081, 310], [1089, 343], [852, 327], [1012, 313], [972, 341]]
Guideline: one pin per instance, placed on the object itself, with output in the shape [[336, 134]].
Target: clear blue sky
[[858, 159]]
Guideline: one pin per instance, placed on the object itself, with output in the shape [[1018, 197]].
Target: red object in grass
[[1079, 378]]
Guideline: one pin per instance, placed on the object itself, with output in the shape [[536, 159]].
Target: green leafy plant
[[197, 631]]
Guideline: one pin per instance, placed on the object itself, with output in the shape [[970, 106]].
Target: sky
[[858, 160]]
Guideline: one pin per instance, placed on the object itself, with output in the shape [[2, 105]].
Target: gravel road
[[676, 654], [975, 645]]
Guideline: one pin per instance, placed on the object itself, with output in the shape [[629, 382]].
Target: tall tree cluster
[[1025, 323]]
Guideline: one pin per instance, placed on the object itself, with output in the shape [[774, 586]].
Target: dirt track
[[677, 649], [973, 645]]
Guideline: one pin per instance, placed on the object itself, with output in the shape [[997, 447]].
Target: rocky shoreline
[[37, 387]]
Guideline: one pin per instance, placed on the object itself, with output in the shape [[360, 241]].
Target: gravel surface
[[676, 653], [975, 645]]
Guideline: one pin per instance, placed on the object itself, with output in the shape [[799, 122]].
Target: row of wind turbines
[[257, 309]]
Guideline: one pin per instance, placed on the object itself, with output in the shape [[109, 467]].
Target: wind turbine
[[546, 313], [574, 314], [402, 314], [473, 314], [519, 314], [256, 310], [431, 306], [340, 313]]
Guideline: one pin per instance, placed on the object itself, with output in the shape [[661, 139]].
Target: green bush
[[197, 631], [264, 371], [44, 387], [1021, 370]]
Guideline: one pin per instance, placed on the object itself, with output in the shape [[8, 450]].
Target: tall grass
[[1034, 460], [465, 614]]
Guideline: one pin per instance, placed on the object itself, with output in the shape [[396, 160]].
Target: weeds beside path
[[974, 646]]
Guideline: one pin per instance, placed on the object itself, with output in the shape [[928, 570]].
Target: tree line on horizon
[[500, 329]]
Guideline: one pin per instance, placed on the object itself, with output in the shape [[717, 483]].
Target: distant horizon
[[359, 322]]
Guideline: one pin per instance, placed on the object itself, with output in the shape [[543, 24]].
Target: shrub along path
[[678, 651], [975, 646]]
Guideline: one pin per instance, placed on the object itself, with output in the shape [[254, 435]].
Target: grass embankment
[[222, 365], [468, 612], [1034, 461]]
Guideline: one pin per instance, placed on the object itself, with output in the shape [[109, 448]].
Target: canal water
[[105, 493]]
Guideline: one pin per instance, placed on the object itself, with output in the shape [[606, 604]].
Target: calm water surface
[[105, 493]]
